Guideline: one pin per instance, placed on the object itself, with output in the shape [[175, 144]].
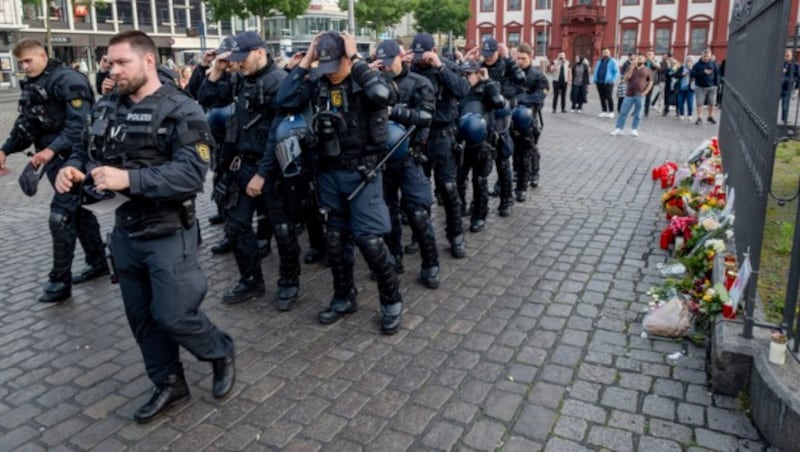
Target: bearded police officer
[[53, 108], [249, 128], [449, 88], [351, 119], [150, 143], [415, 105]]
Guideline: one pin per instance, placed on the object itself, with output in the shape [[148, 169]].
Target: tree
[[442, 16], [378, 14], [226, 9]]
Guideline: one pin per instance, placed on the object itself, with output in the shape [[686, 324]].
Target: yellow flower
[[707, 298]]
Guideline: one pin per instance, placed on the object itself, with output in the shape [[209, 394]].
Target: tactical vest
[[249, 126], [360, 132], [411, 94], [42, 107], [499, 72], [446, 104]]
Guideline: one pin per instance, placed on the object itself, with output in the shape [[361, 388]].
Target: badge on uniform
[[204, 151], [336, 98], [76, 103]]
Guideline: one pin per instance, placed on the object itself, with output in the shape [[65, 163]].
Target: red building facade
[[585, 27]]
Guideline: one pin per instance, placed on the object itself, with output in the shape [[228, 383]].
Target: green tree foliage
[[442, 16], [226, 9], [378, 14]]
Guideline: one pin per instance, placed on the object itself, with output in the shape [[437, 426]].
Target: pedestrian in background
[[640, 81], [580, 84], [605, 74], [560, 76]]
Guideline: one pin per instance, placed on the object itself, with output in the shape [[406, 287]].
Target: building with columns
[[585, 27]]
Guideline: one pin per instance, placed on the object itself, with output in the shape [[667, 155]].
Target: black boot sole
[[147, 420]]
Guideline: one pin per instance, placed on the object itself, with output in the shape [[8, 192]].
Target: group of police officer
[[341, 145]]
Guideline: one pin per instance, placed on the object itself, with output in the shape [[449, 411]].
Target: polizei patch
[[139, 117]]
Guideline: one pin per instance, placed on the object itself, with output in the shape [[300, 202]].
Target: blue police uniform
[[449, 88], [506, 72], [350, 122], [163, 141], [53, 110], [526, 129], [416, 103], [249, 128]]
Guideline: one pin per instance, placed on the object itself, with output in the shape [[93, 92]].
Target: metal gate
[[748, 125]]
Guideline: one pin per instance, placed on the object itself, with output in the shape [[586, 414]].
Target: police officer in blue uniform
[[150, 143], [53, 108], [449, 88], [416, 103], [503, 70], [351, 119], [476, 130], [525, 119], [249, 126]]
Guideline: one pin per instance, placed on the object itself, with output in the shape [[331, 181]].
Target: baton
[[371, 173]]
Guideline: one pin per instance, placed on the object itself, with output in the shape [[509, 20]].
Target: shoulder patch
[[203, 151], [76, 103]]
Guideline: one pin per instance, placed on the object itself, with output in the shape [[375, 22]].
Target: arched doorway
[[582, 45]]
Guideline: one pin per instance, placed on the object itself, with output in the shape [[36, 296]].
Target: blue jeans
[[635, 102], [786, 97], [685, 98]]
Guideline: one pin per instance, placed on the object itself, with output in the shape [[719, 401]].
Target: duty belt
[[351, 163], [250, 159]]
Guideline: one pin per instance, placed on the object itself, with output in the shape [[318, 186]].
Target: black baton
[[371, 173]]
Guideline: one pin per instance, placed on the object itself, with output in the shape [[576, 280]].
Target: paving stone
[[546, 395], [627, 421], [413, 419], [668, 388], [13, 439], [502, 405], [556, 374], [655, 405], [18, 416], [442, 436], [325, 427], [567, 355], [731, 422], [584, 410], [664, 429], [598, 374], [691, 414], [392, 441], [584, 390], [623, 399], [635, 381], [698, 394], [555, 444], [363, 428], [519, 444], [571, 428], [714, 440], [485, 435], [651, 444], [535, 422], [611, 438]]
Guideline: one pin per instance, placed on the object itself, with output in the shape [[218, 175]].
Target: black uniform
[[526, 152], [449, 88], [164, 143], [53, 110], [248, 129], [351, 126], [416, 103], [482, 100], [507, 73]]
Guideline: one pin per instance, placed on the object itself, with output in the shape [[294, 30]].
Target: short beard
[[134, 84]]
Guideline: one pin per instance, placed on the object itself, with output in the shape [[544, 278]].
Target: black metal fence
[[748, 126]]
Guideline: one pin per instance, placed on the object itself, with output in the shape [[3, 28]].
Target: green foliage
[[783, 241], [226, 9], [378, 14], [442, 16]]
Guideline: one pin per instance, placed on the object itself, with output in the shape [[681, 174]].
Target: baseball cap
[[387, 51], [29, 179], [489, 47], [227, 44], [469, 67], [423, 42], [330, 49], [244, 43]]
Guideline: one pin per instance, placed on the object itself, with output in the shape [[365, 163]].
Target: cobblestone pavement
[[531, 343]]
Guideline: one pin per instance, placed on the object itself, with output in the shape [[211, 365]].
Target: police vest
[[414, 92], [42, 103], [500, 72], [134, 136], [446, 103], [255, 110], [360, 132]]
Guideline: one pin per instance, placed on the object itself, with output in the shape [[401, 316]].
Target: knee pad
[[234, 229], [450, 187], [372, 247], [58, 221], [283, 231], [420, 218]]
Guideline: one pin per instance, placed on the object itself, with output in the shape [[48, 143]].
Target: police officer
[[249, 128], [350, 101], [53, 108], [150, 143], [415, 105], [505, 71], [449, 88], [525, 119], [476, 130]]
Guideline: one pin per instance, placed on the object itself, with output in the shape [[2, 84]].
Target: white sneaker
[[610, 115], [572, 111], [634, 133], [579, 111], [602, 114], [616, 132], [680, 118]]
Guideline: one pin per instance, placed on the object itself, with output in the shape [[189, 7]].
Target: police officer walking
[[525, 119], [415, 105], [351, 119], [449, 88], [53, 108], [250, 125], [150, 143]]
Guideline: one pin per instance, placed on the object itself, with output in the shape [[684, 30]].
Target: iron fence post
[[792, 75], [790, 300]]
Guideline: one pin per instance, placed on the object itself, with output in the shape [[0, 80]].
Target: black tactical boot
[[430, 277], [391, 315], [289, 266], [340, 260], [244, 290], [222, 247], [173, 390], [91, 272], [224, 370], [313, 256], [338, 308], [55, 291]]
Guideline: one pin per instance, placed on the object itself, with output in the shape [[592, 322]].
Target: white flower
[[710, 224], [711, 292], [730, 219], [717, 245], [728, 234]]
